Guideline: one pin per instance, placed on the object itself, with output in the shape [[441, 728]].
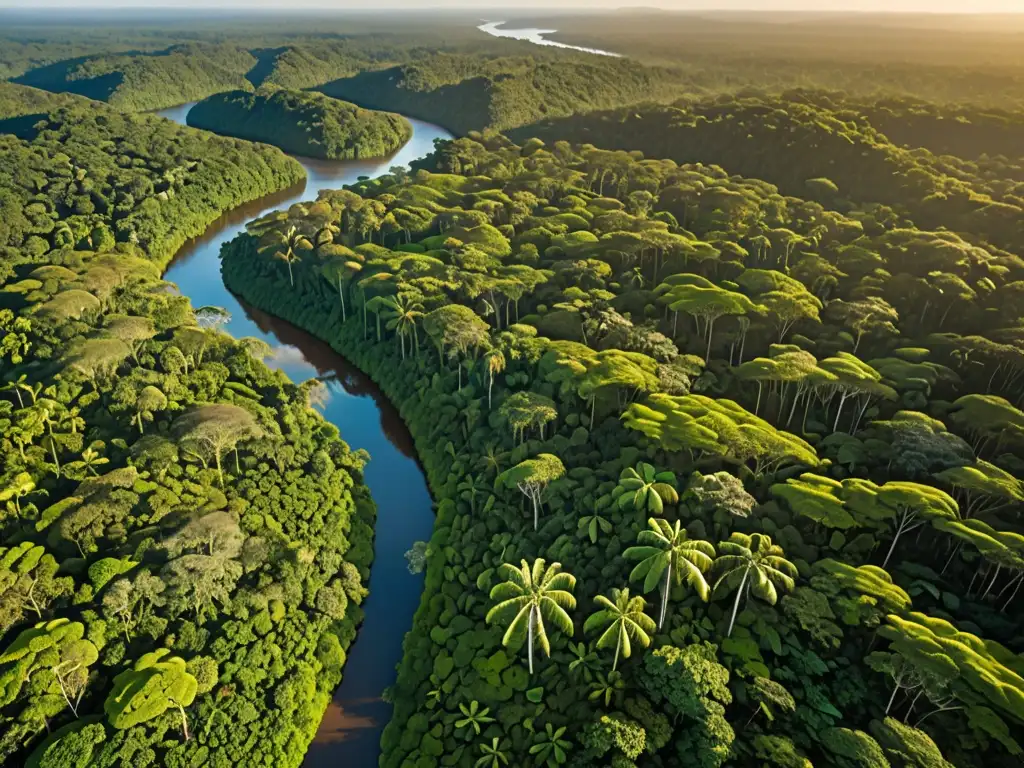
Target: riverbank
[[351, 728]]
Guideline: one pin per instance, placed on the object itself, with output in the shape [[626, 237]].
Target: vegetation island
[[303, 123]]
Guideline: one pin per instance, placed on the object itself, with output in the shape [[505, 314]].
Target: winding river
[[536, 36], [351, 729]]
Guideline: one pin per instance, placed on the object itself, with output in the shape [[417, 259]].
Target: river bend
[[351, 729]]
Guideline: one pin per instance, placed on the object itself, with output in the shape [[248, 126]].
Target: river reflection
[[298, 352], [351, 728]]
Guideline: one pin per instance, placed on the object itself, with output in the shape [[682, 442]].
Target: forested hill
[[302, 123], [90, 176], [19, 100], [148, 81], [183, 538], [466, 93], [832, 150]]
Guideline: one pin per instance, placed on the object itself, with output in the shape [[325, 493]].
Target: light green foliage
[[853, 749], [754, 559], [779, 750], [575, 242], [723, 428], [982, 487], [692, 684], [529, 596], [971, 669], [669, 557], [644, 489], [156, 682], [56, 647], [873, 583], [528, 410], [907, 746], [986, 420], [532, 477], [622, 622]]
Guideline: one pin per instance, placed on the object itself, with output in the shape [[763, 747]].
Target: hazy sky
[[934, 6]]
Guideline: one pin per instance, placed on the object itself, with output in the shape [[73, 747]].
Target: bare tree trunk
[[666, 587], [529, 638], [184, 723], [893, 697], [736, 604]]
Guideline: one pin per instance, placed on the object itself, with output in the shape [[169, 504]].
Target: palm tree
[[755, 563], [473, 716], [292, 240], [493, 755], [668, 556], [339, 271], [402, 313], [377, 305], [624, 622], [527, 597], [495, 360]]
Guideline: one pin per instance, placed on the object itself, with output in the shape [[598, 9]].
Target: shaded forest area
[[308, 124]]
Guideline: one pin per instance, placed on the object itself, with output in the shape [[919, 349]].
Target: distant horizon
[[865, 7]]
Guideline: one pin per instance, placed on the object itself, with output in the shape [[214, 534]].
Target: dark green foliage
[[92, 177], [809, 304], [173, 76], [183, 540], [302, 123], [466, 93]]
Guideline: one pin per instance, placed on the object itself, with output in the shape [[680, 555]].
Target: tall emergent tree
[[529, 596], [755, 559], [668, 556]]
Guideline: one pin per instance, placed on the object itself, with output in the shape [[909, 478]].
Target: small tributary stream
[[351, 728]]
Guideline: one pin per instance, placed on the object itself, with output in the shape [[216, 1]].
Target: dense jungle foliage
[[725, 476], [447, 71], [465, 93], [717, 389], [140, 82], [183, 539], [88, 177], [797, 140], [308, 124], [942, 57]]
